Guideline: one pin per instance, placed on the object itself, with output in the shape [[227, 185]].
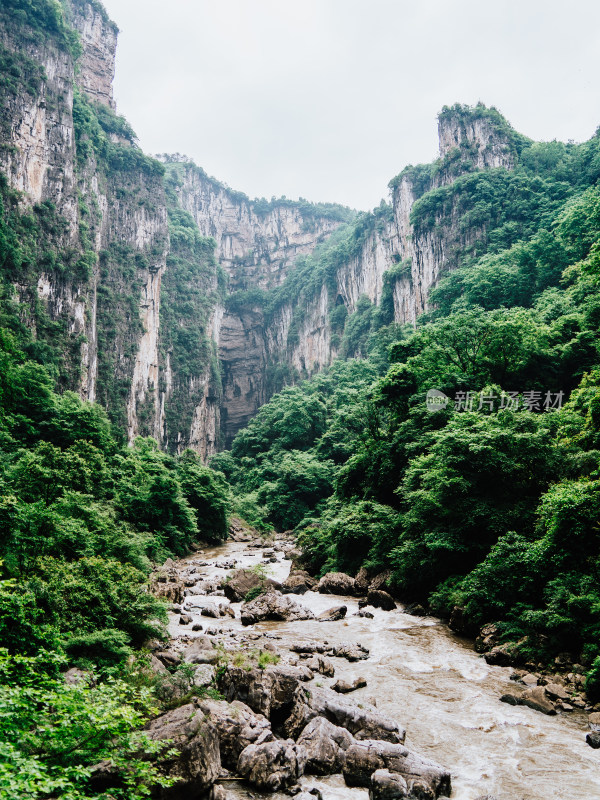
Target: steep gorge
[[183, 305]]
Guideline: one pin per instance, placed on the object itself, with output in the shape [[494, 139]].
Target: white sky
[[329, 99]]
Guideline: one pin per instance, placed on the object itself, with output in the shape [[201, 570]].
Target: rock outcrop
[[237, 585], [325, 746], [237, 727], [197, 761], [272, 765], [423, 777], [362, 723], [274, 606]]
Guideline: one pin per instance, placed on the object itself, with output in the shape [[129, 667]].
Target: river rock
[[197, 762], [424, 777], [333, 614], [239, 583], [380, 581], [593, 739], [301, 646], [298, 582], [75, 676], [220, 793], [362, 723], [366, 612], [499, 656], [416, 610], [210, 611], [269, 691], [351, 652], [345, 687], [167, 585], [529, 679], [168, 657], [201, 651], [272, 765], [238, 726], [556, 692], [535, 697], [594, 720], [459, 621], [386, 785], [337, 583], [325, 745], [380, 599], [322, 665], [204, 675], [185, 619], [488, 638], [274, 606], [312, 794]]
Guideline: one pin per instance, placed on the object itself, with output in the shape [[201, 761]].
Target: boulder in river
[[325, 745], [272, 765], [366, 612], [333, 614], [274, 606], [237, 585], [351, 651], [270, 691], [321, 664], [201, 651], [197, 761], [593, 739], [362, 723], [500, 656], [378, 598], [337, 583], [386, 785], [424, 777], [211, 610], [534, 697], [488, 638], [298, 582], [345, 687], [238, 726]]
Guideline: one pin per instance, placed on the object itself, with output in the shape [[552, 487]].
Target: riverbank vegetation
[[82, 520]]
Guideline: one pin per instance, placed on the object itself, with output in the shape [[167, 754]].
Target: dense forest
[[490, 504]]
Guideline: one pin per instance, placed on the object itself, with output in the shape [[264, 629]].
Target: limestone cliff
[[256, 240], [177, 303]]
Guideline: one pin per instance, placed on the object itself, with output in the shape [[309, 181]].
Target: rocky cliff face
[[256, 241], [98, 36], [178, 300]]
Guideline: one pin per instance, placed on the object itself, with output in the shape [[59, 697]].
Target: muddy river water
[[443, 692]]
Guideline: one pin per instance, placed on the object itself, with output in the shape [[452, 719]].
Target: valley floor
[[417, 672]]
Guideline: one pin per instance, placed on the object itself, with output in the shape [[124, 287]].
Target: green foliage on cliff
[[41, 21], [493, 508], [192, 285]]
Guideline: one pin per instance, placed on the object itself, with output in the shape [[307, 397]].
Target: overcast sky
[[329, 99]]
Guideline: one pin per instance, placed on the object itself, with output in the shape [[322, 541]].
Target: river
[[436, 686]]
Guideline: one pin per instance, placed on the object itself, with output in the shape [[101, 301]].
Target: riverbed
[[436, 686]]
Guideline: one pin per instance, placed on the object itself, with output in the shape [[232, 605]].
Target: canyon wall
[[177, 299]]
